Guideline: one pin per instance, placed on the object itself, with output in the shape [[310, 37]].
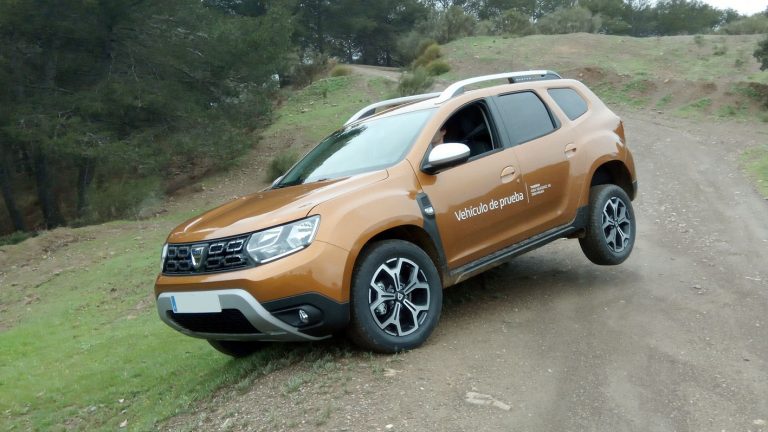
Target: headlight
[[162, 256], [273, 243]]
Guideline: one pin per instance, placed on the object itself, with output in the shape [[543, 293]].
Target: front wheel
[[610, 233], [396, 299], [237, 349]]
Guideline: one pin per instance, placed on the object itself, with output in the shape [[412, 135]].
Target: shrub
[[570, 20], [411, 45], [126, 198], [280, 164], [414, 82], [755, 24], [761, 53], [512, 22], [447, 25], [720, 50], [437, 67], [428, 55], [15, 237], [340, 70]]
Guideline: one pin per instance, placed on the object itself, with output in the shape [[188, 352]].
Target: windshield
[[359, 148]]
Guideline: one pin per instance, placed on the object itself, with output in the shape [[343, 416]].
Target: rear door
[[543, 153]]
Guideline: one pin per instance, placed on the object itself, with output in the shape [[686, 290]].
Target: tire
[[610, 232], [391, 315], [237, 349]]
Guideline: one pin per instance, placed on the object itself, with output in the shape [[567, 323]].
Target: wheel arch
[[412, 234], [613, 172]]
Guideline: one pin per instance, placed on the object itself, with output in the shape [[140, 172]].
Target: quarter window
[[525, 116], [572, 104]]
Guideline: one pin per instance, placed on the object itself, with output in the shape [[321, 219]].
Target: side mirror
[[444, 156]]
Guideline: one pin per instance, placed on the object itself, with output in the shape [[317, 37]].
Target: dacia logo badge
[[196, 253]]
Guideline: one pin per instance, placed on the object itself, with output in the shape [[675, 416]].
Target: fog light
[[303, 316]]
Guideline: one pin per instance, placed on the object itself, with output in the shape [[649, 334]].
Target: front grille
[[207, 257], [228, 321]]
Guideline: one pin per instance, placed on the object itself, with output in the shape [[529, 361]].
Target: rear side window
[[525, 116], [572, 104]]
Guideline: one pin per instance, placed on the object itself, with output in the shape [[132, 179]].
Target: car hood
[[267, 208]]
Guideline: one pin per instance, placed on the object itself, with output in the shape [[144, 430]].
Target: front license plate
[[195, 303]]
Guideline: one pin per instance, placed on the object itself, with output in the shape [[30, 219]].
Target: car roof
[[430, 100]]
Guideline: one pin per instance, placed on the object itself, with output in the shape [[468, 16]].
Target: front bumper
[[263, 302], [241, 317]]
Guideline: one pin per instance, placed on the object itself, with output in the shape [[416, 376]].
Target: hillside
[[83, 348], [686, 75]]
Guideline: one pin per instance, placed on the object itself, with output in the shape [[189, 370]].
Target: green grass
[[756, 164], [94, 340], [696, 108], [664, 101], [15, 237], [90, 352], [627, 94], [324, 106], [677, 57]]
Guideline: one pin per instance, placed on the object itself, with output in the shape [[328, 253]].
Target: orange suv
[[410, 196]]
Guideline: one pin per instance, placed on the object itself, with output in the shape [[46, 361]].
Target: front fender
[[350, 221]]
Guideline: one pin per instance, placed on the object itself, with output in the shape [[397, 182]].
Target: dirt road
[[672, 340]]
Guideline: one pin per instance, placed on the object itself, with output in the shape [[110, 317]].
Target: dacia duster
[[410, 196]]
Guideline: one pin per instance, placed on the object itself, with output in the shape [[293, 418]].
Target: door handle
[[570, 150], [508, 174]]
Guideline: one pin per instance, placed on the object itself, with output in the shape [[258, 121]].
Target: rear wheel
[[236, 349], [396, 297], [610, 233]]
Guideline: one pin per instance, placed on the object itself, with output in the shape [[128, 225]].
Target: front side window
[[525, 116], [359, 148], [470, 126]]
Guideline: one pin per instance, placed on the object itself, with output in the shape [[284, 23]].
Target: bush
[[126, 198], [15, 237], [280, 164], [720, 50], [410, 46], [415, 82], [447, 25], [437, 67], [761, 53], [428, 55], [570, 20], [512, 22], [755, 24], [340, 70]]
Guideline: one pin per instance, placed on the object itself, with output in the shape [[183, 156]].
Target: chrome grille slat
[[207, 256]]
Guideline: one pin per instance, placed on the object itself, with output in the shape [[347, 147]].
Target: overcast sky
[[746, 7]]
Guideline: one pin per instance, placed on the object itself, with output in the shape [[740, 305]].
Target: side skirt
[[499, 257]]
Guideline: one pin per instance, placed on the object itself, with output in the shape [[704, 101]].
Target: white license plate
[[195, 303]]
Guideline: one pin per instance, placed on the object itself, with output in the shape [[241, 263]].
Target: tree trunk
[[85, 171], [49, 203], [6, 178]]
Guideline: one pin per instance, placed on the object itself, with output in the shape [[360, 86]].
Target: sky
[[744, 7]]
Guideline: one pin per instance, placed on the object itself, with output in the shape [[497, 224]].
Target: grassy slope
[[689, 75], [77, 343], [79, 334], [702, 77]]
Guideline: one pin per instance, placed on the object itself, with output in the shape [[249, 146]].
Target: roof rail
[[454, 90], [457, 88], [371, 109]]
